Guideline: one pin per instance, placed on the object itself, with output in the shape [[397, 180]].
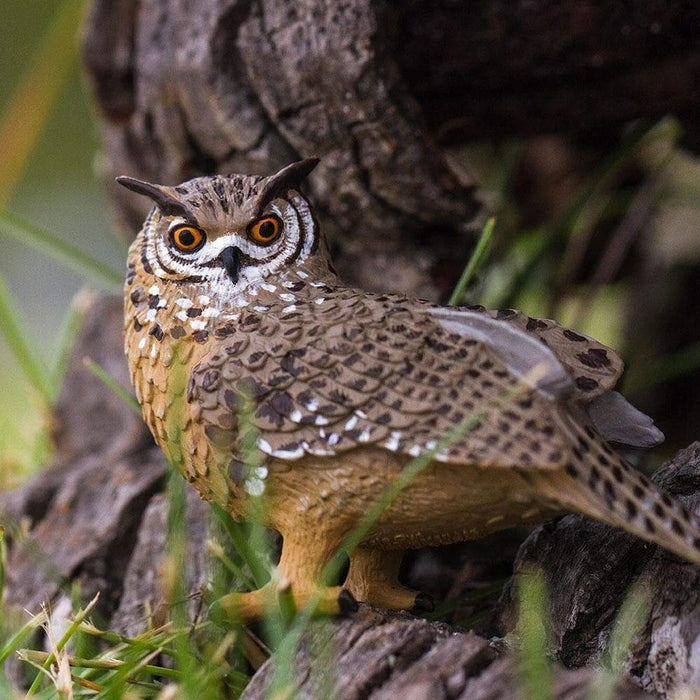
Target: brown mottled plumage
[[231, 302]]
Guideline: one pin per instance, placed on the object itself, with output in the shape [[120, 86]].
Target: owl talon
[[286, 601], [347, 602], [423, 603]]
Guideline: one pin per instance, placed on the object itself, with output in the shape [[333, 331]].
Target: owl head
[[227, 232]]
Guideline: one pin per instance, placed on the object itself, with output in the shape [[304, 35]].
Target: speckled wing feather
[[593, 367], [587, 369], [347, 370]]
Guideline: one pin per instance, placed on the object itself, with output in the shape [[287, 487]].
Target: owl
[[273, 387]]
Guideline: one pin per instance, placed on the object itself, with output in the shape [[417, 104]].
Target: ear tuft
[[163, 197], [290, 177]]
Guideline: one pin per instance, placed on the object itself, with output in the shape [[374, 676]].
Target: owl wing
[[591, 368], [364, 371], [349, 371]]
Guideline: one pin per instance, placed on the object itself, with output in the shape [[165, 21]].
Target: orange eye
[[187, 238], [265, 231]]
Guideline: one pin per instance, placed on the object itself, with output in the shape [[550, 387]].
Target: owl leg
[[296, 583], [373, 578]]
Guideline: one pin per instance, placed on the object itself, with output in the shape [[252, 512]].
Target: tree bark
[[374, 88]]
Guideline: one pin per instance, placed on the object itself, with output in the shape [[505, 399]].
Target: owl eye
[[265, 231], [187, 238]]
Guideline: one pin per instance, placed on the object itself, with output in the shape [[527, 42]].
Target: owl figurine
[[240, 338]]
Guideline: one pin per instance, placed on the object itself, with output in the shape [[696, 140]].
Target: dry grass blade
[[72, 628]]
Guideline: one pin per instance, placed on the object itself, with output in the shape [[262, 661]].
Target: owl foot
[[281, 599], [393, 597], [373, 579]]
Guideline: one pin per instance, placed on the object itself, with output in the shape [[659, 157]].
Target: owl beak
[[231, 260]]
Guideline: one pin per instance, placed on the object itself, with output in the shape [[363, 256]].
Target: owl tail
[[599, 483]]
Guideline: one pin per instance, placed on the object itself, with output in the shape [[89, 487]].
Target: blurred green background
[[57, 190]]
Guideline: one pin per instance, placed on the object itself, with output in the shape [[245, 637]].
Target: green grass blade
[[111, 383], [535, 672], [217, 551], [238, 534], [20, 346], [474, 263], [3, 560], [20, 636], [40, 657], [628, 623], [26, 114], [68, 333], [61, 251]]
